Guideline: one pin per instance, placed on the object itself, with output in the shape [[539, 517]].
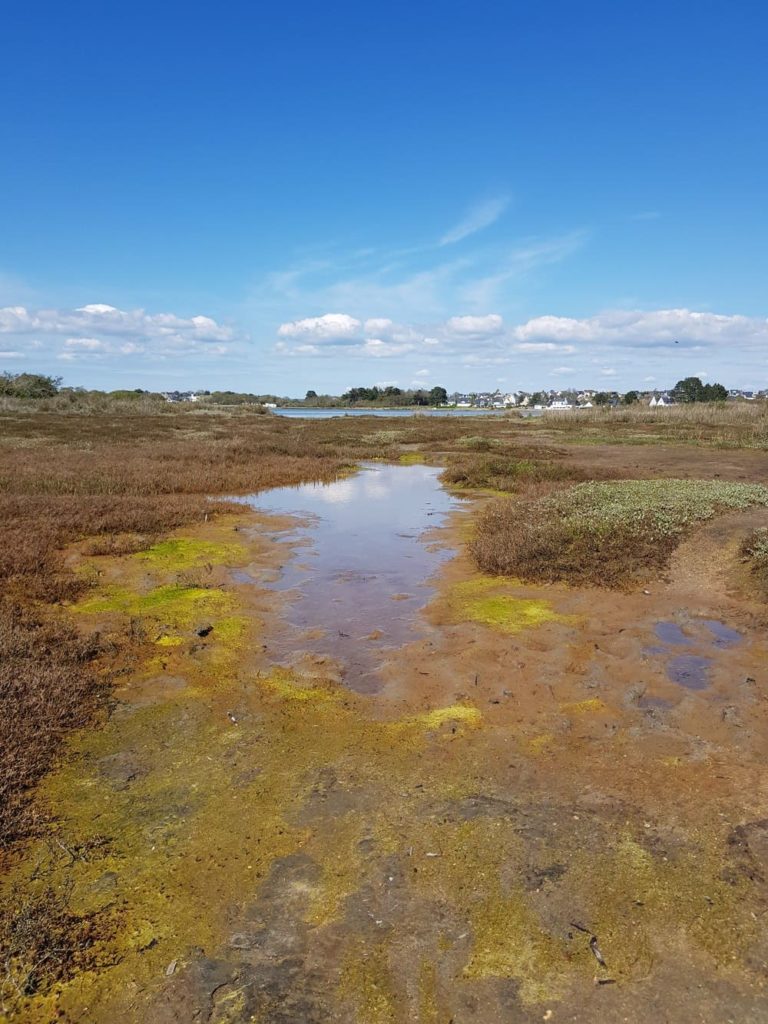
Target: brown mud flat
[[264, 845]]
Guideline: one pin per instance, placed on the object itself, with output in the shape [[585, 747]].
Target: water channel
[[362, 568]]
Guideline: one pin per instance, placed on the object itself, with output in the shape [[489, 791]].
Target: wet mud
[[526, 818]]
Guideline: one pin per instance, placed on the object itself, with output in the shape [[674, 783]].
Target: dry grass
[[42, 943], [116, 474], [507, 473], [118, 483], [713, 424], [48, 685], [754, 551]]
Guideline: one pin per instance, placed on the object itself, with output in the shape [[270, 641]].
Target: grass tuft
[[604, 534]]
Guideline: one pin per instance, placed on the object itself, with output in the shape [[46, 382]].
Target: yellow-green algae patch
[[173, 604], [411, 459], [540, 743], [180, 553], [510, 942], [483, 600], [215, 803], [366, 982], [591, 705]]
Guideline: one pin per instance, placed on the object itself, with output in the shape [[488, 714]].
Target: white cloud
[[379, 349], [475, 325], [653, 328], [100, 329], [378, 325], [91, 344], [544, 346], [478, 217], [608, 371], [333, 327], [564, 370]]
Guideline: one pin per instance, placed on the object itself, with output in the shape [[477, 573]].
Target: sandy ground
[[530, 821]]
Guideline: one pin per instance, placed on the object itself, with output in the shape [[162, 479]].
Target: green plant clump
[[607, 534]]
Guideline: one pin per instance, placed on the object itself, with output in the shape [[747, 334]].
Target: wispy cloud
[[475, 219]]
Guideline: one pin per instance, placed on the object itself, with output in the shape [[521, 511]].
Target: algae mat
[[244, 842]]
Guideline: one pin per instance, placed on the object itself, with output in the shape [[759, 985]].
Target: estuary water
[[362, 570]]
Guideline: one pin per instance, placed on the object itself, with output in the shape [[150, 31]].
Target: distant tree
[[715, 393], [631, 397], [29, 385], [537, 398], [438, 396], [603, 398], [310, 394], [691, 389]]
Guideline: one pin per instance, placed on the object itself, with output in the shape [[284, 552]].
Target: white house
[[560, 404], [663, 399]]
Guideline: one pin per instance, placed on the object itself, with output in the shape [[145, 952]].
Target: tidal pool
[[689, 671], [724, 635], [671, 633], [364, 573]]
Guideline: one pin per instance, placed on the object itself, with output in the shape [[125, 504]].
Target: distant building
[[662, 399]]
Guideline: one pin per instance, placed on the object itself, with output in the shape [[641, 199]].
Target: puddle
[[724, 635], [670, 633], [364, 575], [690, 671]]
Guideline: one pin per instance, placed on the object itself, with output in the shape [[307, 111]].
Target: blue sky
[[281, 197]]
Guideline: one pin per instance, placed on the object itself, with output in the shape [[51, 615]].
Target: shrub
[[606, 534]]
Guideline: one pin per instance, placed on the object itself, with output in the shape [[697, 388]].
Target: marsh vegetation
[[105, 485]]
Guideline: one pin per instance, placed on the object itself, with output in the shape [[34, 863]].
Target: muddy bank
[[263, 843]]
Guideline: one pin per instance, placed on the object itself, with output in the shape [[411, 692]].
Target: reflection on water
[[724, 635], [670, 633], [690, 671], [324, 414], [366, 571]]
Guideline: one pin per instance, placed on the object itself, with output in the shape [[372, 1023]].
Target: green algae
[[366, 981], [478, 600], [411, 459], [540, 743], [172, 604], [429, 1011], [592, 705], [180, 553], [169, 641], [510, 942], [453, 714], [342, 869], [186, 843]]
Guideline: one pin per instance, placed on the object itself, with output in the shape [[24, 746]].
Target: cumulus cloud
[[478, 217], [380, 349], [475, 325], [617, 345], [331, 327], [336, 333], [98, 329], [639, 328], [544, 346]]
